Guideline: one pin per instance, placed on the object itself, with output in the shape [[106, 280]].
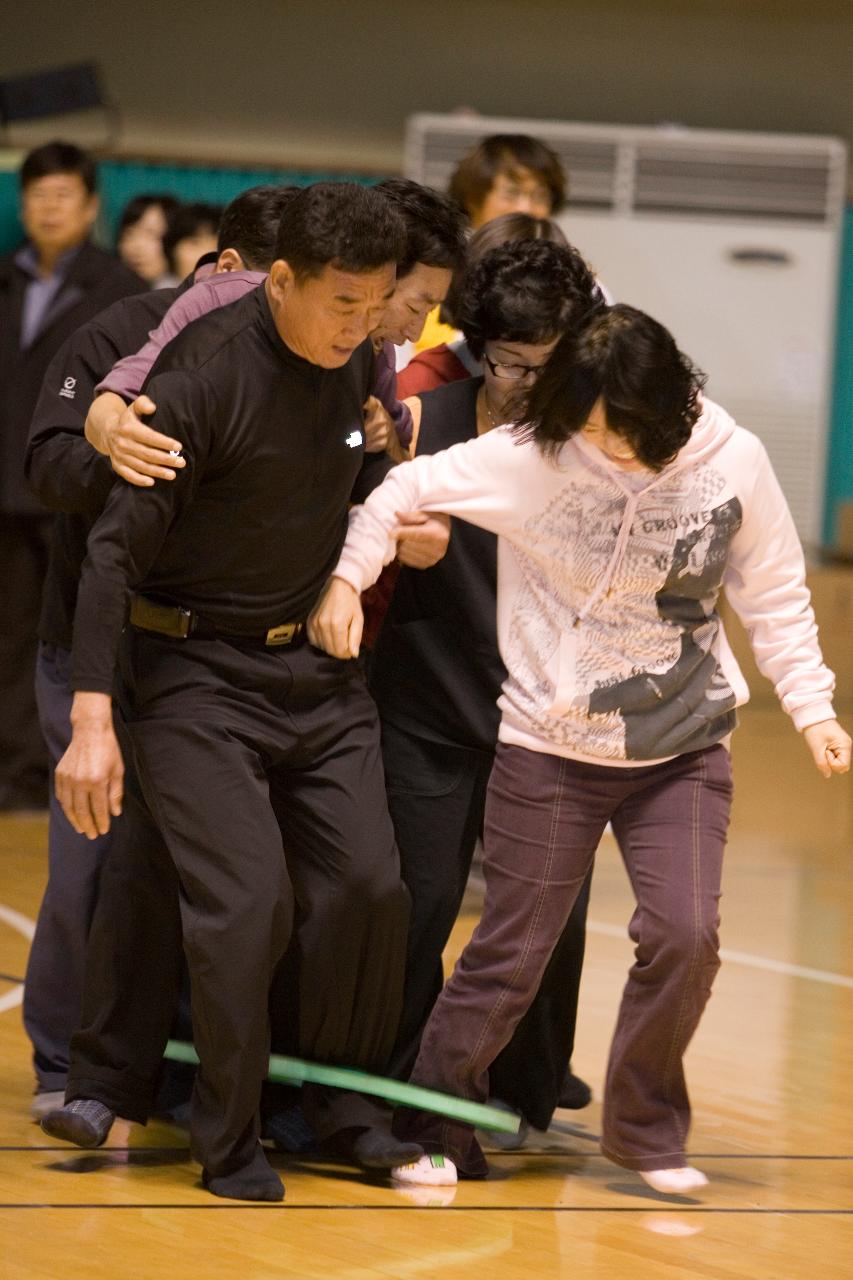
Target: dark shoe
[[289, 1131], [379, 1149], [255, 1181], [500, 1138], [575, 1093], [85, 1122]]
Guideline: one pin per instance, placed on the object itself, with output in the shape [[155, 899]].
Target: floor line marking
[[744, 958], [660, 1204], [24, 925]]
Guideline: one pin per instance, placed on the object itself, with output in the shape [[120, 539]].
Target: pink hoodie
[[608, 581]]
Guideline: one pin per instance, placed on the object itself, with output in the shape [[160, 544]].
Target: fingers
[[85, 805], [830, 746], [409, 519], [115, 794], [356, 629], [143, 405], [93, 807], [336, 622], [90, 780], [140, 456], [838, 758]]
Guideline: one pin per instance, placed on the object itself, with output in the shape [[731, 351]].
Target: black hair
[[58, 157], [353, 227], [139, 205], [250, 224], [436, 229], [475, 175], [650, 390], [504, 229], [526, 291], [186, 221]]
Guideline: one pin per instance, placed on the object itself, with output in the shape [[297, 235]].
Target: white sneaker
[[674, 1181], [425, 1197], [429, 1171]]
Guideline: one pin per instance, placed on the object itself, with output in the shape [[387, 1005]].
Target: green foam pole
[[296, 1071]]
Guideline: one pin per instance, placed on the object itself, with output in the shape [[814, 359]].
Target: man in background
[[52, 284]]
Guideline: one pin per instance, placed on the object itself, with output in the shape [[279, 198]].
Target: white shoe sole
[[429, 1171]]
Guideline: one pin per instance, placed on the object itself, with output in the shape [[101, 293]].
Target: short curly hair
[[525, 291], [504, 229], [650, 391]]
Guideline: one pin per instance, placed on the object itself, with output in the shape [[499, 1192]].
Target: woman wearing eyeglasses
[[436, 675], [625, 502]]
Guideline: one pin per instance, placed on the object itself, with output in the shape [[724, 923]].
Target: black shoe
[[85, 1122], [575, 1093], [289, 1131], [373, 1148], [255, 1181]]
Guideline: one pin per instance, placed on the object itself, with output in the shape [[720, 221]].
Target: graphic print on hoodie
[[630, 684]]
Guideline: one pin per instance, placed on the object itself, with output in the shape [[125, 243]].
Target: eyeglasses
[[512, 372]]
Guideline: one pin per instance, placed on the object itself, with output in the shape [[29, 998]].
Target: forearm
[[474, 480], [765, 583]]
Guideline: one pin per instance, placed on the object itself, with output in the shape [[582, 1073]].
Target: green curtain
[[119, 180], [839, 463]]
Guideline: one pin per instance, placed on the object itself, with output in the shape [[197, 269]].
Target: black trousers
[[24, 550], [240, 754], [55, 967], [437, 797]]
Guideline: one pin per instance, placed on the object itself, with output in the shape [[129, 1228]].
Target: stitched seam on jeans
[[694, 960], [531, 930]]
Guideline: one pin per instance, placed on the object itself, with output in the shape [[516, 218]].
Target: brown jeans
[[544, 819]]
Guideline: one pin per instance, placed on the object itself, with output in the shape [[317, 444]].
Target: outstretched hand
[[830, 747]]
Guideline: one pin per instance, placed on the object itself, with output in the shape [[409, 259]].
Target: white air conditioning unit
[[729, 239]]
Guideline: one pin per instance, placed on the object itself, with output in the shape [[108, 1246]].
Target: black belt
[[180, 624]]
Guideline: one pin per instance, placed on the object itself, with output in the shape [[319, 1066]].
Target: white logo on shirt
[[68, 388], [354, 439]]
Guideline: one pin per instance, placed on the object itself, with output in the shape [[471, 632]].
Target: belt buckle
[[284, 634]]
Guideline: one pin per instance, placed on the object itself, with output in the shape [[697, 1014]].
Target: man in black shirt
[[246, 740], [70, 478]]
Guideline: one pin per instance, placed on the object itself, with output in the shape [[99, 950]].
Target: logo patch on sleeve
[[354, 439]]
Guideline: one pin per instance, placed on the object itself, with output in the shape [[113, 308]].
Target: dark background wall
[[330, 82], [325, 85]]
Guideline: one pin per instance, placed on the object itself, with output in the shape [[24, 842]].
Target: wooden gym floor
[[770, 1073]]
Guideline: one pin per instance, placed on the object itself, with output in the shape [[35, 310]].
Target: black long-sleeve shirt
[[252, 526]]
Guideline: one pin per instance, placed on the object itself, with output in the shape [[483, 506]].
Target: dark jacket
[[63, 470], [95, 279]]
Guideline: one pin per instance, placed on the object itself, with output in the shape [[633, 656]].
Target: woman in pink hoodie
[[623, 505]]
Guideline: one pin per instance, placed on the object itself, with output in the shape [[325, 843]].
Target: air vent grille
[[736, 184], [650, 171]]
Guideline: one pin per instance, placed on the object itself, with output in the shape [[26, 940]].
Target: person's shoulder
[[136, 308], [209, 340]]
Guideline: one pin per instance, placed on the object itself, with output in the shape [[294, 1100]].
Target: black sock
[[255, 1181]]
